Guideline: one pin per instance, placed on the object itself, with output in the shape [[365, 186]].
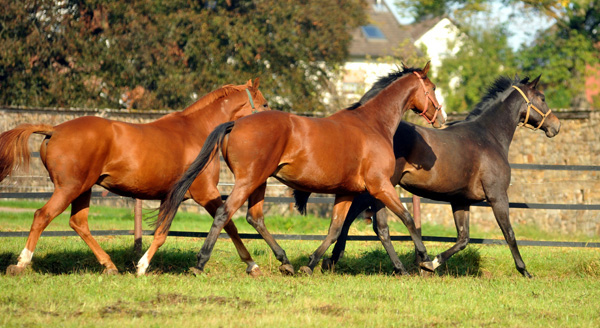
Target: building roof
[[380, 17]]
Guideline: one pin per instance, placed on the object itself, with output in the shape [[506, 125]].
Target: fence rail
[[137, 232]]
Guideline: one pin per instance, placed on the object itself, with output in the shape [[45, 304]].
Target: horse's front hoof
[[15, 270], [286, 269], [196, 272], [428, 266], [426, 273], [526, 274], [304, 270], [255, 272], [110, 272]]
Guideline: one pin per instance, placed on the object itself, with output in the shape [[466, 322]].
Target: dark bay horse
[[134, 160], [464, 163], [344, 154]]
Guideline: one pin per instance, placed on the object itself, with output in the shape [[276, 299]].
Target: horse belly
[[314, 181]]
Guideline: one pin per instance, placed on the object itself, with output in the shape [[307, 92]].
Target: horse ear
[[256, 83], [533, 84], [517, 77], [426, 68]]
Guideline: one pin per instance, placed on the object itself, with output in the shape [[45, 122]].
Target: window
[[372, 32]]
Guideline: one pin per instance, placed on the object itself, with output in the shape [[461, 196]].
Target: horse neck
[[501, 121], [385, 111], [210, 115]]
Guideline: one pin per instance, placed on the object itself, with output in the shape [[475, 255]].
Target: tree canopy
[[153, 54], [562, 53]]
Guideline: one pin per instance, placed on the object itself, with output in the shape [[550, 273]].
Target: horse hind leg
[[57, 203], [256, 219], [461, 221], [80, 208], [340, 210], [359, 204]]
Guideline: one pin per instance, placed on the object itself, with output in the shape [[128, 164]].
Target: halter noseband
[[529, 107], [251, 101], [438, 107]]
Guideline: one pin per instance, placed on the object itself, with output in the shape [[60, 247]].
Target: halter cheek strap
[[529, 107], [251, 101], [437, 106]]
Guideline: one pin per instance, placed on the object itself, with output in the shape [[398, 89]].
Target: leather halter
[[437, 106], [529, 107]]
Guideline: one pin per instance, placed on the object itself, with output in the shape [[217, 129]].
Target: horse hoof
[[286, 269], [255, 272], [15, 270], [196, 272], [327, 265], [401, 273], [304, 270], [427, 266], [426, 274], [110, 272]]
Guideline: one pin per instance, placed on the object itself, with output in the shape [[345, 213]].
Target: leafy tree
[[561, 53], [164, 54], [464, 78]]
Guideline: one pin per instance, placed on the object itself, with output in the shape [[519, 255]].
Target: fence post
[[416, 200], [137, 227]]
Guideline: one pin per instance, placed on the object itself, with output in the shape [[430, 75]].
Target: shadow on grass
[[375, 262]]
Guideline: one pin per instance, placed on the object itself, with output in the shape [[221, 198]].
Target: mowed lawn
[[478, 287]]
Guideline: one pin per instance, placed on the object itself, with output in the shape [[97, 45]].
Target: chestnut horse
[[134, 160], [344, 154], [464, 163]]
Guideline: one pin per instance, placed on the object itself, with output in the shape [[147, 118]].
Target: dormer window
[[372, 32]]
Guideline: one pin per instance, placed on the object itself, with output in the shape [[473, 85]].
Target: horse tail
[[301, 198], [14, 150], [168, 208]]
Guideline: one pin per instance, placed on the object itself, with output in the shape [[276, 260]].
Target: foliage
[[565, 52], [562, 54], [164, 54], [465, 77]]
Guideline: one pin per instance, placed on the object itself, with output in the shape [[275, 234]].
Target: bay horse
[[344, 154], [133, 160], [463, 163]]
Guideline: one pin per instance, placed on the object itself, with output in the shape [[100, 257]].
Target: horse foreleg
[[387, 195], [359, 204], [340, 210], [255, 217], [80, 208], [500, 208], [42, 217], [461, 221], [380, 226]]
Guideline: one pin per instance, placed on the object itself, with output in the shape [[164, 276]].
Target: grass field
[[478, 287]]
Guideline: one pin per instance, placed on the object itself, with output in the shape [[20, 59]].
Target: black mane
[[381, 84], [501, 84]]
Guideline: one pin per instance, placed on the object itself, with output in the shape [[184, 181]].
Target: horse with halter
[[133, 160], [345, 154], [463, 163]]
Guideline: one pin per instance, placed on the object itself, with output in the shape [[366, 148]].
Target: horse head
[[541, 117], [424, 101], [254, 100]]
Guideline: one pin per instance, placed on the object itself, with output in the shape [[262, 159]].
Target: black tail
[[168, 208], [301, 198]]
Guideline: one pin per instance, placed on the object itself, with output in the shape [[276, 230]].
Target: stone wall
[[576, 144]]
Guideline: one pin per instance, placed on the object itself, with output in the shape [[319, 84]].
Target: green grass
[[477, 287]]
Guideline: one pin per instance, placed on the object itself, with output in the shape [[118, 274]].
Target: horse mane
[[495, 90], [210, 98], [382, 83]]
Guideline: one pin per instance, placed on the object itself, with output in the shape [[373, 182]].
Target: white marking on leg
[[436, 263], [25, 258], [251, 267], [143, 265]]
